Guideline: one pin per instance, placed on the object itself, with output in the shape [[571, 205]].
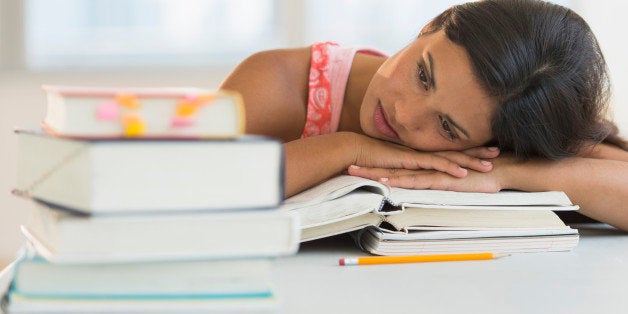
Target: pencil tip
[[341, 262], [500, 255]]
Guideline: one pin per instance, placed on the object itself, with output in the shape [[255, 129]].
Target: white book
[[103, 176], [346, 203], [36, 277], [266, 302], [114, 112], [382, 242], [254, 305], [62, 237]]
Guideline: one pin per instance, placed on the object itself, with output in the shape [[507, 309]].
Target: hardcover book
[[132, 175], [62, 237], [115, 112]]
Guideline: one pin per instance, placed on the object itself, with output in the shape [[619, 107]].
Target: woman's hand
[[311, 160], [385, 157], [474, 181]]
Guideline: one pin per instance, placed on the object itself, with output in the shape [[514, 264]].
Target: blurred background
[[197, 43]]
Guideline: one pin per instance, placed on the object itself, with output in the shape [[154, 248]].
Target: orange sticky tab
[[185, 108], [128, 101], [204, 99], [133, 125]]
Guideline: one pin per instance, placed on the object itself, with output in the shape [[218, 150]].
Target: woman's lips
[[381, 123]]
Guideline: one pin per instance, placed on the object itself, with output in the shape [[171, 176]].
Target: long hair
[[544, 66]]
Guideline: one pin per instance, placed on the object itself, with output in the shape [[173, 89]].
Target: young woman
[[491, 95]]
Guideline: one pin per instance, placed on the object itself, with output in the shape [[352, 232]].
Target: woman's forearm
[[312, 160], [598, 186]]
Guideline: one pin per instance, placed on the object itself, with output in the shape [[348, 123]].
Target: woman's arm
[[598, 186]]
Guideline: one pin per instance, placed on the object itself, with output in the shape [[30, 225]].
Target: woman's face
[[426, 97]]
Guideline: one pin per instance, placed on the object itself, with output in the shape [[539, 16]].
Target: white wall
[[606, 18]]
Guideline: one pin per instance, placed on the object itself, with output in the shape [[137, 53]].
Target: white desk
[[591, 279]]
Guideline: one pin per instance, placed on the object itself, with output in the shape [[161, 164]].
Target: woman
[[524, 78]]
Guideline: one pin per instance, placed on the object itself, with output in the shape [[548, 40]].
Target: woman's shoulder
[[278, 65], [273, 84], [285, 59]]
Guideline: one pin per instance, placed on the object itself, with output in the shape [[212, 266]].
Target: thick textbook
[[113, 112], [381, 242], [17, 304], [346, 203], [36, 277], [63, 237], [131, 175]]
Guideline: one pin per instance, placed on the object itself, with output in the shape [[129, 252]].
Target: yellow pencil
[[375, 260]]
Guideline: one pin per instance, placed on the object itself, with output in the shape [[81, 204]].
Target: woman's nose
[[408, 114]]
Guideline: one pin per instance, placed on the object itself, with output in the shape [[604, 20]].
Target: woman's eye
[[422, 76], [445, 125]]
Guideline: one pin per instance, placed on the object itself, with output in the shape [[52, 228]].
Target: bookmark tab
[[133, 125], [107, 111], [128, 101]]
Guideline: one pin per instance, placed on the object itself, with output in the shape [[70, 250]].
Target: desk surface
[[593, 278]]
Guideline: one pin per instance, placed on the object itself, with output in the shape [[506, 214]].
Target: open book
[[347, 203]]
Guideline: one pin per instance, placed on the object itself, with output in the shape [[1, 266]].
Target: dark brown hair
[[544, 66]]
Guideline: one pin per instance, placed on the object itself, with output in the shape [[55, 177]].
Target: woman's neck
[[362, 70]]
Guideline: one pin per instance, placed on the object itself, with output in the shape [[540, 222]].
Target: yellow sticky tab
[[133, 125], [128, 101]]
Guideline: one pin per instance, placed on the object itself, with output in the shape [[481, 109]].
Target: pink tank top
[[329, 72]]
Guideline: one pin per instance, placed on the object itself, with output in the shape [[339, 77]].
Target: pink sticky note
[[179, 122], [107, 111]]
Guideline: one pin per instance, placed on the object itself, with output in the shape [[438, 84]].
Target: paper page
[[466, 234], [461, 218], [505, 198], [345, 207], [449, 246], [331, 189], [492, 207]]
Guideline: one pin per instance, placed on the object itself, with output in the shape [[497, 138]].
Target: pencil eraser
[[341, 262]]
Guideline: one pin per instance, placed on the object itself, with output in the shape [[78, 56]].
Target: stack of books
[[149, 200], [395, 221]]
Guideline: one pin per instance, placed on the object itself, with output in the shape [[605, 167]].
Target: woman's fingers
[[379, 154], [482, 152], [376, 174], [403, 178], [467, 161], [435, 162], [427, 179]]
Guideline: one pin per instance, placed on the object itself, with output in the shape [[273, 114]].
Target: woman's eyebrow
[[430, 62], [457, 126]]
